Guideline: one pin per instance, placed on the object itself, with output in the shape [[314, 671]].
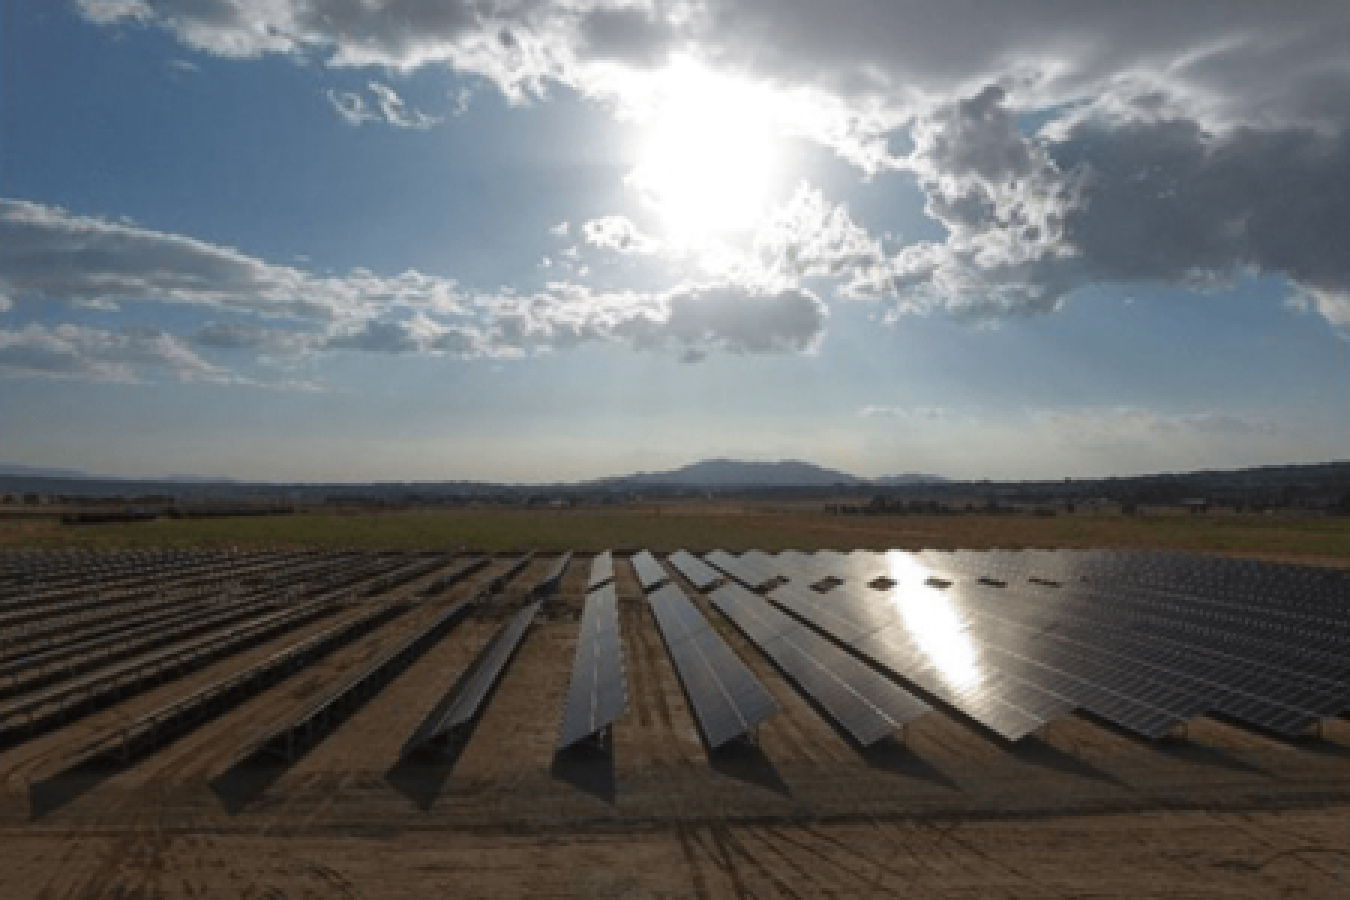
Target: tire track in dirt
[[807, 878], [776, 838], [638, 671], [696, 879], [732, 847], [653, 651], [846, 850], [716, 853]]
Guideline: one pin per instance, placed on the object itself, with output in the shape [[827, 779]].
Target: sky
[[520, 240]]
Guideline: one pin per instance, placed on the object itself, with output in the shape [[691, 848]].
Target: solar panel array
[[1146, 641], [1010, 640], [597, 694], [728, 700], [862, 701]]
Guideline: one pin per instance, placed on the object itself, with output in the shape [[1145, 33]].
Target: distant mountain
[[708, 473], [723, 473], [15, 470], [18, 471], [907, 479]]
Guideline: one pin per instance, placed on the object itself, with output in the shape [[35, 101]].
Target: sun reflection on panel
[[933, 622]]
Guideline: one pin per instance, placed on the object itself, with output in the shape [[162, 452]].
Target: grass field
[[1312, 539]]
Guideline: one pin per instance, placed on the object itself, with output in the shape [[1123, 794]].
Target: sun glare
[[710, 156], [936, 628]]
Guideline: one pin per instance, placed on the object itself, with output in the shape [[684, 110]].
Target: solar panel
[[602, 570], [866, 704], [465, 699], [598, 693], [650, 573], [727, 699], [700, 575]]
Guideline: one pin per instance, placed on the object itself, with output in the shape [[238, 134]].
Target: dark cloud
[[1165, 199], [738, 320]]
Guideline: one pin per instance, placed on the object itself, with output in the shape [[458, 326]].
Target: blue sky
[[332, 241]]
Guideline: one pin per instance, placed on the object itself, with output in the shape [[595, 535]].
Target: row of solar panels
[[1017, 650], [1008, 649], [597, 694]]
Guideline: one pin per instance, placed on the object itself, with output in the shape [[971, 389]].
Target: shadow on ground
[[1036, 751], [745, 762], [239, 786], [891, 755], [588, 768], [49, 795], [421, 776]]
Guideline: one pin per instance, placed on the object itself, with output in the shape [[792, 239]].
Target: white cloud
[[420, 334], [910, 413], [49, 253], [52, 255], [79, 352], [385, 105], [618, 234], [809, 236], [352, 107], [1226, 59], [1114, 200], [1334, 306], [1183, 142], [398, 113], [692, 318], [1129, 424]]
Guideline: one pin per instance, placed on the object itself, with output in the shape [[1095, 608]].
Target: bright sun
[[710, 156]]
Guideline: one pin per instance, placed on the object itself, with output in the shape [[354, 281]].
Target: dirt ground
[[1077, 810]]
